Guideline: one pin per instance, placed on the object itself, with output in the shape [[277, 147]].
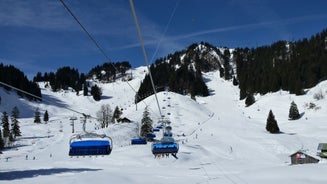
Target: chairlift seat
[[165, 147], [138, 141], [90, 147], [150, 135]]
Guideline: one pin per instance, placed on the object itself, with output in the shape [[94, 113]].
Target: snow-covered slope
[[221, 140]]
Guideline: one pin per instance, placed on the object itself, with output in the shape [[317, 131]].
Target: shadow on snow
[[15, 175]]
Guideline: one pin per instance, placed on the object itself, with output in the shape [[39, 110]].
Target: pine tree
[[46, 116], [96, 93], [37, 116], [272, 125], [226, 57], [235, 81], [294, 112], [146, 122], [11, 137], [2, 143], [5, 125], [249, 100], [117, 113], [15, 129], [85, 89]]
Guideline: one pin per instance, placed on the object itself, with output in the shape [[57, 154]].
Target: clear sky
[[40, 35]]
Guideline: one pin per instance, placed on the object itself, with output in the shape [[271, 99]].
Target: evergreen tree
[[294, 112], [37, 116], [272, 125], [2, 143], [85, 89], [227, 67], [221, 72], [243, 93], [235, 82], [146, 123], [117, 113], [5, 125], [66, 77], [249, 100], [11, 137], [46, 117], [15, 129], [96, 93]]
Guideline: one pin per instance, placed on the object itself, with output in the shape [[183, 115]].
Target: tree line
[[16, 78], [66, 77], [109, 72], [290, 66]]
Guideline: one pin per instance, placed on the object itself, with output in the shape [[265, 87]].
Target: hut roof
[[302, 154], [125, 120]]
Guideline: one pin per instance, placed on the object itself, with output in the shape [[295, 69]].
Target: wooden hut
[[300, 157]]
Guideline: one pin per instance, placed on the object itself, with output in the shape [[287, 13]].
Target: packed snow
[[220, 140]]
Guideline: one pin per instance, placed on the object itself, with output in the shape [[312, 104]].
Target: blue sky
[[40, 35]]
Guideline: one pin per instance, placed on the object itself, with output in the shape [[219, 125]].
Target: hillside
[[223, 142]]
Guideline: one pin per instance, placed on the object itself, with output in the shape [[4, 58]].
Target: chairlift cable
[[166, 29], [87, 33], [144, 52], [37, 97], [167, 145], [97, 45]]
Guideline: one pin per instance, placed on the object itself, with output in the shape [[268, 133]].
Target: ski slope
[[220, 140]]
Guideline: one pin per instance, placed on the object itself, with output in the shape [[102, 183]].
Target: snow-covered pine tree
[[37, 116], [15, 128], [46, 117], [294, 112], [272, 125], [146, 122]]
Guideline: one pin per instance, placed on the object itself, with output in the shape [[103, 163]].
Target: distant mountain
[[181, 72], [290, 66]]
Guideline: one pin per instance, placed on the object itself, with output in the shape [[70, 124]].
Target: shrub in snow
[[319, 95]]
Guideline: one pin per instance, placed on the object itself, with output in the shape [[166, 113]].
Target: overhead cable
[[144, 52]]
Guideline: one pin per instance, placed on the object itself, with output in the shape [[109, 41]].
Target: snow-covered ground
[[221, 140]]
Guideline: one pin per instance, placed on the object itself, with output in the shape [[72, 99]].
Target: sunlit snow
[[221, 140]]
